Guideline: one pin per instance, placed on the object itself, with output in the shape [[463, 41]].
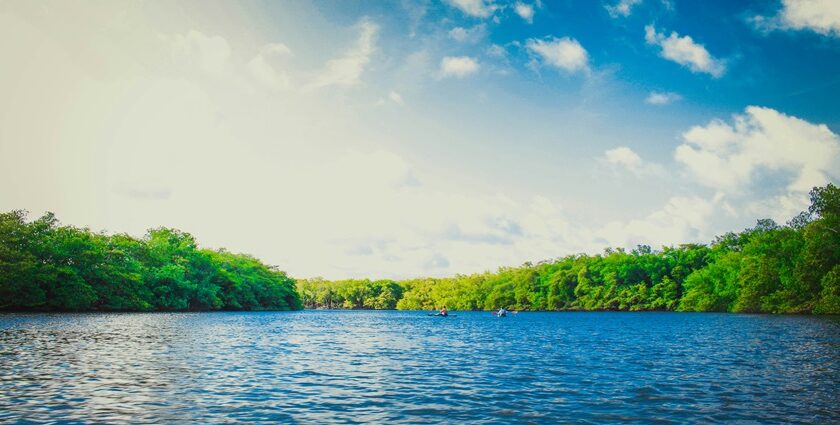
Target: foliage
[[350, 294], [46, 266], [769, 269]]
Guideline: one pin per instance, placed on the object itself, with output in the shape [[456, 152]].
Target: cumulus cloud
[[401, 228], [395, 97], [468, 35], [392, 97], [474, 8], [727, 157], [685, 51], [344, 213], [210, 52], [781, 207], [820, 16], [263, 66], [624, 158], [458, 66], [680, 220], [496, 51], [436, 262], [347, 69], [662, 98], [622, 9], [525, 11], [761, 164], [561, 53]]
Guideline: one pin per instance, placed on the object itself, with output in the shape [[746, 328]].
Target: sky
[[348, 139]]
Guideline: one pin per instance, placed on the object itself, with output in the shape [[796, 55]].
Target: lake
[[397, 366]]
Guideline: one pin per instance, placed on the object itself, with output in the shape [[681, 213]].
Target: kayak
[[442, 315]]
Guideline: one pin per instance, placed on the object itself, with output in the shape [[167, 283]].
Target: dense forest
[[770, 268], [47, 266], [792, 268]]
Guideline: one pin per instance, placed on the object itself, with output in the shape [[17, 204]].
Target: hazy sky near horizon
[[418, 138]]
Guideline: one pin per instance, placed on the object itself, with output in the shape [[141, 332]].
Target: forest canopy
[[47, 266], [770, 268]]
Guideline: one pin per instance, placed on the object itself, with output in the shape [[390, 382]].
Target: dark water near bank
[[323, 366]]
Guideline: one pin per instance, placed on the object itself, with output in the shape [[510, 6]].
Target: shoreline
[[97, 312]]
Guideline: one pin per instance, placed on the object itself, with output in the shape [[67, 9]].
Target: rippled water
[[355, 366]]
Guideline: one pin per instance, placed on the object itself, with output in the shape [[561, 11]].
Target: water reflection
[[317, 366]]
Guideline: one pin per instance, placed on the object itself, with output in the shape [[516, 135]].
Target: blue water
[[355, 366]]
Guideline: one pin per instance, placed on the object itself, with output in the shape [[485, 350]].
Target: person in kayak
[[444, 311], [502, 312]]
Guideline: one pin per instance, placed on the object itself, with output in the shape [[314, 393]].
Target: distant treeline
[[46, 266], [770, 268]]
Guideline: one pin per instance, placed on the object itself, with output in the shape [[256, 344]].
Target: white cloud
[[263, 69], [727, 157], [395, 97], [476, 231], [662, 98], [474, 8], [211, 52], [684, 51], [458, 66], [352, 205], [468, 35], [347, 70], [785, 156], [496, 51], [561, 53], [459, 34], [525, 11], [820, 16], [109, 153], [625, 158], [622, 8], [780, 208], [278, 49], [682, 219]]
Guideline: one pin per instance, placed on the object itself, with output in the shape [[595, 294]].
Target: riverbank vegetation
[[770, 268], [47, 266]]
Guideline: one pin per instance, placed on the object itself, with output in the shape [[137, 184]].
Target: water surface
[[362, 366]]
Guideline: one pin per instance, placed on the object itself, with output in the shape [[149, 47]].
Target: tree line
[[47, 266], [770, 268]]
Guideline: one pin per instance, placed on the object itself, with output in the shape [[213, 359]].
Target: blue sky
[[400, 139]]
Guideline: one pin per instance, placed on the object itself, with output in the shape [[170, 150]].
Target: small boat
[[442, 315]]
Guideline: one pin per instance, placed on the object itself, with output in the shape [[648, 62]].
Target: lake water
[[362, 366]]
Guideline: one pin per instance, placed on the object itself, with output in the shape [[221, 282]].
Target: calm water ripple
[[359, 366]]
